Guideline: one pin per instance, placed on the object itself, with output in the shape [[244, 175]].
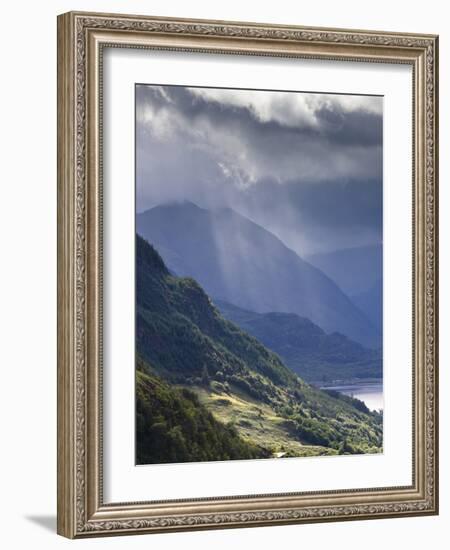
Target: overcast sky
[[306, 166]]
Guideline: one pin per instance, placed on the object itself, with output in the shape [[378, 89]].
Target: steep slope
[[187, 342], [354, 270], [173, 426], [305, 347], [370, 302], [240, 262]]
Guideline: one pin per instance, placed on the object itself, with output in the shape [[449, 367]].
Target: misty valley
[[259, 274]]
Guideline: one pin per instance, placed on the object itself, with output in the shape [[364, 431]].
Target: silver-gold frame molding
[[81, 39]]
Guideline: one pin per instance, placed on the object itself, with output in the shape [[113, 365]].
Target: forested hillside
[[306, 348], [172, 426], [184, 339]]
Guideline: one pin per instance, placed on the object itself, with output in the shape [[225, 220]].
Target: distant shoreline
[[368, 390], [345, 382]]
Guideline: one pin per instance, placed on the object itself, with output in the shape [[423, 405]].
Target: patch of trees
[[173, 426]]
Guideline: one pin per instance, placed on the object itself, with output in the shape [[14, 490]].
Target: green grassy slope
[[173, 426], [186, 340]]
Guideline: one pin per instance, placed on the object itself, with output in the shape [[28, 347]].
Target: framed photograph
[[247, 274]]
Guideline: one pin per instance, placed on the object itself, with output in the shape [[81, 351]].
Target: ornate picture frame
[[82, 39]]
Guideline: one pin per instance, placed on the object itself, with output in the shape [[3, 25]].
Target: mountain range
[[207, 390], [305, 348], [240, 262]]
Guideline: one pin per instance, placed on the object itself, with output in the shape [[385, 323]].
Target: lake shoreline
[[330, 384], [369, 391]]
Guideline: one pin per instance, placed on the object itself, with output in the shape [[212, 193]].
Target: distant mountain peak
[[180, 204], [227, 210]]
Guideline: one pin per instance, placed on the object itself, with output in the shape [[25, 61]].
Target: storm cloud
[[306, 166]]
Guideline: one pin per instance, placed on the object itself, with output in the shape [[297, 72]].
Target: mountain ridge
[[305, 348], [370, 302], [353, 269], [240, 262]]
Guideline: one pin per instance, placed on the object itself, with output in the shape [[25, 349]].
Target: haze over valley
[[239, 262], [258, 274]]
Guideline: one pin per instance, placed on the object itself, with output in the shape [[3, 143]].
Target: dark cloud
[[350, 129], [307, 166]]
